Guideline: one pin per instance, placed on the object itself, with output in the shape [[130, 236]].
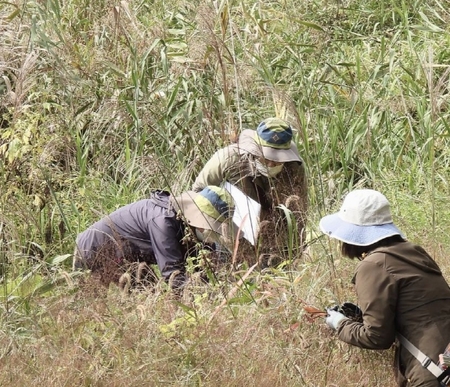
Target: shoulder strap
[[430, 365]]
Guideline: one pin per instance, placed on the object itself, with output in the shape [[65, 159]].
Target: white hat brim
[[350, 233], [247, 143]]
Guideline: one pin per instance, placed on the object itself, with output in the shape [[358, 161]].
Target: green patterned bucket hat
[[206, 209], [271, 140]]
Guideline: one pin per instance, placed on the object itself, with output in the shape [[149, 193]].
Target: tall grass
[[100, 102]]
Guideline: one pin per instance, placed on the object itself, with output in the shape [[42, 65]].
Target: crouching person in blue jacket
[[154, 231]]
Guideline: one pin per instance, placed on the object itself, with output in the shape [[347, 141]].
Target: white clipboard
[[246, 213]]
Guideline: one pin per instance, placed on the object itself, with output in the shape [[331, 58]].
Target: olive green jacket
[[229, 164], [401, 289]]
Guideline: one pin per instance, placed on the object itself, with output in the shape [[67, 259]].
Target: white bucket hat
[[364, 219], [271, 140]]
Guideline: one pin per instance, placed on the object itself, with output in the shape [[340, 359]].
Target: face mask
[[268, 171], [207, 236]]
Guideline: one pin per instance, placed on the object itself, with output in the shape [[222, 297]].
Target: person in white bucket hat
[[400, 288], [364, 219]]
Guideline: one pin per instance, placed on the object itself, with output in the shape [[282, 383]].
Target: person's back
[[229, 164], [133, 223]]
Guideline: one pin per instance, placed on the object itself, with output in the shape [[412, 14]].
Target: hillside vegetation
[[103, 101]]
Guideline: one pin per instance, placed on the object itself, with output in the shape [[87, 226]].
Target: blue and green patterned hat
[[206, 209], [271, 140], [274, 133]]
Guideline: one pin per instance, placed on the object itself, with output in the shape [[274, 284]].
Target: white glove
[[334, 318]]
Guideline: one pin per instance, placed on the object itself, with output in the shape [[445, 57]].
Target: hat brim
[[350, 233], [247, 143], [193, 215]]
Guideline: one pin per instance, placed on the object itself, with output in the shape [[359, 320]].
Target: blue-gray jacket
[[147, 229]]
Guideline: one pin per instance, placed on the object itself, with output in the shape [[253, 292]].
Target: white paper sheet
[[246, 214]]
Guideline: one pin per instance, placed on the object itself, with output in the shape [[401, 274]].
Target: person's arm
[[213, 172], [165, 236], [377, 297]]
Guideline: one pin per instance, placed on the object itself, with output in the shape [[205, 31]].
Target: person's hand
[[334, 318]]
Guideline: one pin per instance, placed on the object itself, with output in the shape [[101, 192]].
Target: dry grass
[[260, 335], [102, 101], [102, 338]]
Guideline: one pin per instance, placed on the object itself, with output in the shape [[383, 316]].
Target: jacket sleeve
[[213, 172], [164, 231], [377, 297]]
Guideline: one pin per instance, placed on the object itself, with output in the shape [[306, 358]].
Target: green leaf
[[311, 25], [60, 258], [432, 27], [12, 15], [180, 59]]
